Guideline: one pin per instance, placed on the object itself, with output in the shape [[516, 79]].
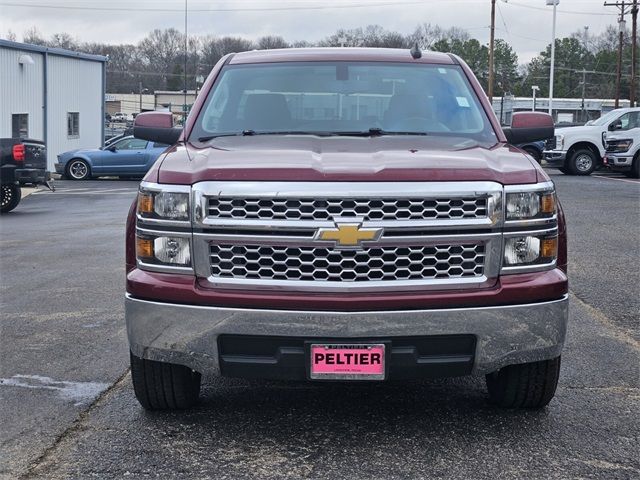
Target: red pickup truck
[[345, 215]]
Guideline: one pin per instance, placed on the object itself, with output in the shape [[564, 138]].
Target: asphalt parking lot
[[68, 409]]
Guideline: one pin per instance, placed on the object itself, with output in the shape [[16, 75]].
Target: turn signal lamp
[[144, 247], [549, 248], [145, 202], [548, 204]]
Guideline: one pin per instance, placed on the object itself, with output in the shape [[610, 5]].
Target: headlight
[[559, 142], [530, 205], [163, 205], [619, 146], [163, 250], [531, 250]]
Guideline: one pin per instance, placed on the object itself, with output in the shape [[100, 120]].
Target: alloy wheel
[[78, 169]]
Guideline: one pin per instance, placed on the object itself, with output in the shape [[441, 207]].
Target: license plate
[[347, 362]]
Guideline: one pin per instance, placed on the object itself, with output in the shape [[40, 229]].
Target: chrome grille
[[259, 262], [282, 208]]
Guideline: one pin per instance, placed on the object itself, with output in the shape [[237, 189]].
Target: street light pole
[[491, 46], [553, 53], [621, 24], [184, 105]]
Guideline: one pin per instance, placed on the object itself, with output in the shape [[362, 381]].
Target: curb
[[26, 191]]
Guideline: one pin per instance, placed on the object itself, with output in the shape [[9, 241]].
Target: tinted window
[[629, 120], [73, 124], [160, 145], [344, 97], [131, 144], [20, 125]]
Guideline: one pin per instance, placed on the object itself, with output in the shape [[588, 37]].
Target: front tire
[[78, 169], [537, 156], [164, 386], [582, 162], [635, 168], [526, 385], [11, 196]]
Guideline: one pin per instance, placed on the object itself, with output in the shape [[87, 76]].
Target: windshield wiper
[[375, 132], [372, 132], [232, 134]]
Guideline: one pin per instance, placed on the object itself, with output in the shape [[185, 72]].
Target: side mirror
[[112, 148], [156, 127], [617, 125], [529, 127]]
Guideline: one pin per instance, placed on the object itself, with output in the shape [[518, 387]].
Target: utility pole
[[634, 30], [622, 6], [491, 45]]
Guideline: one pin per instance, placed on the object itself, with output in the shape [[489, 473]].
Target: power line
[[573, 12], [217, 9]]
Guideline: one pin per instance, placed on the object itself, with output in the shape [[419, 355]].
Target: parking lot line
[[627, 180]]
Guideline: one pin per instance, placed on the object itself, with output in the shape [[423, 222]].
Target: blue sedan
[[129, 156]]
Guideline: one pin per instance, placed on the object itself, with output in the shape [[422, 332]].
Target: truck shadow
[[292, 414]]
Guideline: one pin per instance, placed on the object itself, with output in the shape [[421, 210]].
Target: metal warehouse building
[[53, 95]]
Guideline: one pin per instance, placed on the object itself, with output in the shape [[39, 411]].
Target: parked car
[[127, 157], [580, 150], [22, 162], [119, 117], [534, 149], [404, 238], [623, 152]]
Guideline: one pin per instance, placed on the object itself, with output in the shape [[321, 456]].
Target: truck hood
[[582, 130], [312, 158]]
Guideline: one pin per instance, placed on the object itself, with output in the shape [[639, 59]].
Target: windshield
[[343, 98], [606, 118]]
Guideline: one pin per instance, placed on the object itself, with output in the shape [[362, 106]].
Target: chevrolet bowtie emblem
[[348, 235]]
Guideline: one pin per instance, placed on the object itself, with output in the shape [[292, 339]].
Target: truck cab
[[349, 215]]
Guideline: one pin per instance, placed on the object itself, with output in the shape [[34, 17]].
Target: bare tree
[[34, 37], [271, 42], [213, 48], [63, 40], [160, 49]]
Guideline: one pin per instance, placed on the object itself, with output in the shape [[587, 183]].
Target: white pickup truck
[[580, 150], [623, 151]]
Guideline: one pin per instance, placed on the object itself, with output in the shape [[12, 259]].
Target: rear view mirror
[[617, 125], [156, 127], [529, 127]]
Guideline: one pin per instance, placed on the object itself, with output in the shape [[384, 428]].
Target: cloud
[[525, 24]]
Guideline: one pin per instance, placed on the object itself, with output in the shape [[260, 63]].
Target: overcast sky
[[526, 24]]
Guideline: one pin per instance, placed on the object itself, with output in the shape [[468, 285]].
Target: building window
[[73, 124], [20, 125]]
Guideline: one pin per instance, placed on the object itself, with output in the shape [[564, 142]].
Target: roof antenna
[[415, 51]]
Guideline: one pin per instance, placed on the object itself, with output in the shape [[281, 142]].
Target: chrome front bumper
[[187, 334], [622, 162], [554, 158]]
